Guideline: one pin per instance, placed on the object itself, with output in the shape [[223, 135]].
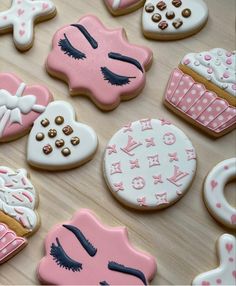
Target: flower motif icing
[[85, 252], [20, 18], [98, 62]]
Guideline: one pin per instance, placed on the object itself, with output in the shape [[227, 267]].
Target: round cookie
[[121, 7], [83, 251], [20, 19], [149, 164], [173, 19], [214, 196]]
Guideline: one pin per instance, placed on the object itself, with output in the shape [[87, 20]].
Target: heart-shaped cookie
[[173, 19], [121, 7], [20, 106], [58, 142]]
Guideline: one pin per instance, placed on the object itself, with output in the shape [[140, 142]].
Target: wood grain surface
[[182, 237]]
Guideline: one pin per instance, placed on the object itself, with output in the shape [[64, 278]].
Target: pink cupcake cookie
[[85, 252], [20, 19], [121, 7], [203, 91], [98, 62], [20, 106]]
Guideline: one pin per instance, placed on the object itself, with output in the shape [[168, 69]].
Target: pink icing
[[85, 76], [112, 244], [123, 4], [207, 57], [11, 83]]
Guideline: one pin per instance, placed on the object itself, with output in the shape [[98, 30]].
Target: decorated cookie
[[203, 91], [18, 217], [214, 195], [20, 105], [120, 7], [58, 142], [20, 19], [85, 252], [98, 62], [225, 274], [149, 164], [173, 19]]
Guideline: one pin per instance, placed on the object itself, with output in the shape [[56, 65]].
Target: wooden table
[[182, 237]]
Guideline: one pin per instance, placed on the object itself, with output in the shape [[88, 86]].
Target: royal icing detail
[[99, 56], [10, 244], [57, 141], [18, 197], [20, 105], [83, 251], [173, 19], [214, 196], [216, 65], [199, 104], [21, 16], [122, 6], [225, 274], [149, 176]]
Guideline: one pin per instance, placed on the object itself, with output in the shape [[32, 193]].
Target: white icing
[[217, 66], [21, 16], [141, 160], [13, 106], [197, 19], [214, 195], [225, 274], [55, 160], [116, 4], [18, 197]]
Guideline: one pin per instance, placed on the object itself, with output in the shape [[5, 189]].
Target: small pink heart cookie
[[98, 62], [121, 7], [20, 106], [85, 252], [214, 196], [225, 274]]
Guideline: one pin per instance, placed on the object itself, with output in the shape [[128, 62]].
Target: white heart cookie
[[173, 19], [58, 142]]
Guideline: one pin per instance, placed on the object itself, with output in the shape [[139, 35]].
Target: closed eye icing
[[115, 79], [62, 259], [69, 50]]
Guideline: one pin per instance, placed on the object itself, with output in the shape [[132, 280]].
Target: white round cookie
[[214, 196], [149, 164]]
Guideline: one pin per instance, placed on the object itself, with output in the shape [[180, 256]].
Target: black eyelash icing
[[122, 58], [104, 283], [86, 34], [127, 270], [91, 250], [62, 259], [69, 50], [115, 79]]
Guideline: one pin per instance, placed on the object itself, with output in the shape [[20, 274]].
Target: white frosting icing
[[55, 160], [199, 15], [21, 16], [116, 4], [214, 195], [18, 197], [217, 65], [225, 274], [149, 164]]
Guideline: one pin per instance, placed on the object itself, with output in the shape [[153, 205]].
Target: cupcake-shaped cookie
[[203, 90], [18, 218]]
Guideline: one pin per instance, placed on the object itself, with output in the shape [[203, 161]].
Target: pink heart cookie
[[20, 106], [121, 7], [98, 62]]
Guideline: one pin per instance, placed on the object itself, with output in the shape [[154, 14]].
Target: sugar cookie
[[18, 217], [149, 164], [98, 62], [58, 142], [20, 19], [20, 105], [214, 196], [225, 274], [121, 7], [173, 19], [85, 252], [203, 91]]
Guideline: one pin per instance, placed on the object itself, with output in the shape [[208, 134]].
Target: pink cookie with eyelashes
[[98, 62], [120, 7], [20, 106], [84, 252]]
